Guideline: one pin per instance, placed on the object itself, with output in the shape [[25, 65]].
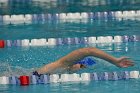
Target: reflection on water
[[53, 6]]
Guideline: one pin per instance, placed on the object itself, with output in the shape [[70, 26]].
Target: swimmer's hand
[[124, 62]]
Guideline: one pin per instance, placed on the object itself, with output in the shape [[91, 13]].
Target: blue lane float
[[60, 78], [13, 80], [43, 79], [74, 40]]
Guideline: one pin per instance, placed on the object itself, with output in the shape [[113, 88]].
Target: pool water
[[58, 29], [22, 60]]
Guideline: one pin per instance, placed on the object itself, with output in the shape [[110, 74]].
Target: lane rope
[[69, 41]]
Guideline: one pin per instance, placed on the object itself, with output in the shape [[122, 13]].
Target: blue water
[[79, 29], [22, 60]]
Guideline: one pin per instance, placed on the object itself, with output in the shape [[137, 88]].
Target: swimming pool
[[21, 59]]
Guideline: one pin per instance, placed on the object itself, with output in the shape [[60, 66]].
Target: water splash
[[8, 70]]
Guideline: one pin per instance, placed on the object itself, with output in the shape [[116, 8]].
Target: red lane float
[[2, 44], [24, 80]]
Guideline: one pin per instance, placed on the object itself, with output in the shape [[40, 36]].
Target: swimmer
[[68, 62]]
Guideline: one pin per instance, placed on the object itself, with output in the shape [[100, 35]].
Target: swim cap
[[88, 61]]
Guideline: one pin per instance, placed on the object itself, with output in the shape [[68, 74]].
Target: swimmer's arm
[[75, 56], [79, 54], [120, 62], [49, 68]]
